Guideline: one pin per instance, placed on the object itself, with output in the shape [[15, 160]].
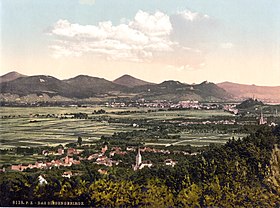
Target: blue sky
[[156, 40]]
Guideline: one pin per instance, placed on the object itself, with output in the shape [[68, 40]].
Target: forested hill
[[249, 103], [242, 173]]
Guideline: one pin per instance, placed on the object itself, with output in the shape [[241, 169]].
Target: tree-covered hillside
[[249, 103]]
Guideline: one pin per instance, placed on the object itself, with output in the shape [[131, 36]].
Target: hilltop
[[38, 85], [249, 103], [86, 86], [130, 81], [11, 76]]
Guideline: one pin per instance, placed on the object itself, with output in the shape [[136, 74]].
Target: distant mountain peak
[[130, 81], [11, 76], [126, 75]]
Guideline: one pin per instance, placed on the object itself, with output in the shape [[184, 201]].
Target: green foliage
[[190, 196], [156, 194], [79, 141], [105, 193]]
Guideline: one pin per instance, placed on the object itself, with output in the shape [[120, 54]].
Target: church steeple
[[262, 119], [138, 158], [139, 163]]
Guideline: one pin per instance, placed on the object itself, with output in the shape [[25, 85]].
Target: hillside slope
[[242, 91], [37, 85], [11, 76], [87, 86], [176, 91], [130, 81]]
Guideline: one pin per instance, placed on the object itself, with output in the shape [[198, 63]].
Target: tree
[[190, 196], [104, 193], [156, 194], [80, 140]]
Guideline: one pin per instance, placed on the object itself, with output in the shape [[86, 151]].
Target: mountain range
[[17, 85]]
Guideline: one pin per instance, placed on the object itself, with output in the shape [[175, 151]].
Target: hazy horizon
[[187, 41]]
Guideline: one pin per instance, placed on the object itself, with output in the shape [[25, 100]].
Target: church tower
[[262, 119], [138, 158]]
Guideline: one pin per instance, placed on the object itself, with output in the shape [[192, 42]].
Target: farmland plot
[[32, 126]]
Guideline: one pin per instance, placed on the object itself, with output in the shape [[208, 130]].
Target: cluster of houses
[[224, 122], [185, 104], [139, 164], [98, 158], [231, 108], [189, 104], [65, 161], [102, 159], [70, 151]]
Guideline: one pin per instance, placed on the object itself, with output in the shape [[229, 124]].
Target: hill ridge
[[244, 91], [124, 87], [130, 81]]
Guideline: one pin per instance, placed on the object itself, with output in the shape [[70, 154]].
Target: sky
[[155, 40]]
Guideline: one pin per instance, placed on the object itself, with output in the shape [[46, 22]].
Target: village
[[103, 158], [165, 104]]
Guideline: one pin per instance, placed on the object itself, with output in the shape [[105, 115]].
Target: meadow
[[31, 126]]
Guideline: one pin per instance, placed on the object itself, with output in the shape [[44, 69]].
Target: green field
[[18, 159], [196, 139], [16, 128]]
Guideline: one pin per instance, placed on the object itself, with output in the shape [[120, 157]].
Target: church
[[139, 164]]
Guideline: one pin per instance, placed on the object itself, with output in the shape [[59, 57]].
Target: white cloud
[[148, 37], [157, 25], [188, 15], [135, 41], [192, 16], [227, 45]]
